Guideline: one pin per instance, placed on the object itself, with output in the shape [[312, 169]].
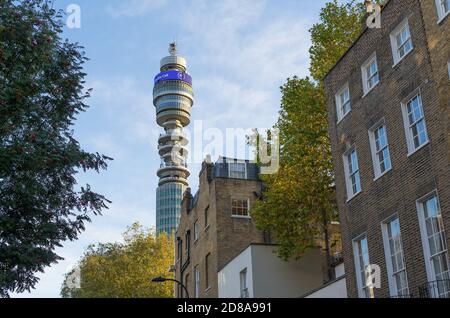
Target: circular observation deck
[[173, 100]]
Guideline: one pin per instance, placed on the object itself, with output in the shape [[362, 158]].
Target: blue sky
[[239, 52]]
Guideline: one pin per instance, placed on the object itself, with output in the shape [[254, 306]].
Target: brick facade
[[412, 176], [223, 236]]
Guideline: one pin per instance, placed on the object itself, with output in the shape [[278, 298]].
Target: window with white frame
[[443, 8], [380, 150], [207, 270], [435, 244], [237, 170], [398, 282], [239, 207], [196, 231], [370, 74], [343, 106], [197, 282], [361, 258], [414, 121], [401, 41], [448, 69], [352, 176], [243, 283]]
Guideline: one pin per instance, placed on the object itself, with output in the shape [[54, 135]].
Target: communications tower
[[173, 98]]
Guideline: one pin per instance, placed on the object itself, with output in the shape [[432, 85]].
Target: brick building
[[215, 225], [388, 103]]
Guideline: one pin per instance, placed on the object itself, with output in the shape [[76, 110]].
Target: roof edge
[[353, 44]]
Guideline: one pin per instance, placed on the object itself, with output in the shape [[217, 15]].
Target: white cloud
[[132, 8], [128, 104], [105, 143], [235, 36], [242, 55], [233, 105]]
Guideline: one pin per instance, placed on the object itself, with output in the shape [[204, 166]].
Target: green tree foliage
[[41, 94], [339, 27], [297, 197], [298, 202], [125, 270]]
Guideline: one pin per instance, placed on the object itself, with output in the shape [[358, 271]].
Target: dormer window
[[237, 170]]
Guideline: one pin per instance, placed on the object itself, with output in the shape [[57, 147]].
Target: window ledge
[[373, 87], [402, 58], [441, 19], [241, 217], [379, 176], [352, 197], [418, 148], [343, 117]]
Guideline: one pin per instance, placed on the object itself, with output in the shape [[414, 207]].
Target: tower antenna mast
[[173, 48]]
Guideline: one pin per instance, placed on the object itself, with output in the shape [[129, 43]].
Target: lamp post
[[161, 279]]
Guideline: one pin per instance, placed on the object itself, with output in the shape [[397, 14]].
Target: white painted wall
[[268, 276], [229, 278], [337, 289], [339, 270], [273, 277]]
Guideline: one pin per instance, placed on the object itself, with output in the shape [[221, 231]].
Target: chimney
[[207, 169], [187, 201]]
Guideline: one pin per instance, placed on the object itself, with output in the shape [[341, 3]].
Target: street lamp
[[161, 279]]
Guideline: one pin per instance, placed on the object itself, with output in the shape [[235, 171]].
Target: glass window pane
[[365, 252], [399, 40], [357, 182], [387, 159], [436, 237], [398, 273], [445, 6], [394, 264], [432, 207]]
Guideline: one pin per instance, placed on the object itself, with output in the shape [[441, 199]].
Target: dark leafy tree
[[41, 94]]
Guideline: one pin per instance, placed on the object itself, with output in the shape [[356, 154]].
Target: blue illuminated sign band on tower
[[173, 75]]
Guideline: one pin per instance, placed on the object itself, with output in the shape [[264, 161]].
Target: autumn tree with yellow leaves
[[124, 270]]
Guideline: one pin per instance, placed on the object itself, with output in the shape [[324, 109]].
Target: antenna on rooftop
[[173, 48]]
